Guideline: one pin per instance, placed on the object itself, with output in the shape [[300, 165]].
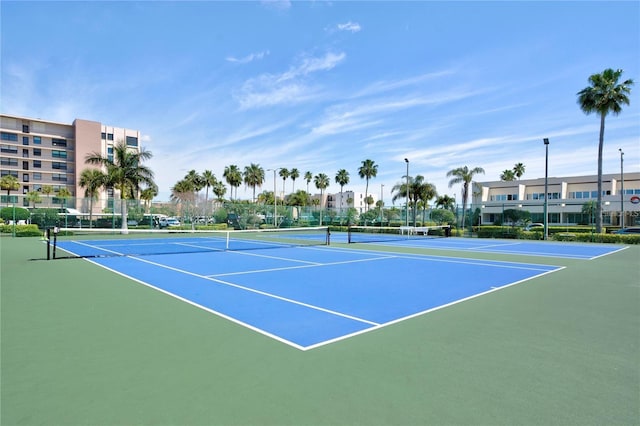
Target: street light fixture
[[406, 160], [621, 189], [546, 187]]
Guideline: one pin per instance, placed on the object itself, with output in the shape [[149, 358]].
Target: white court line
[[253, 290], [315, 265]]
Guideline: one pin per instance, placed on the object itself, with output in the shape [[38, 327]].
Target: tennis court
[[512, 247], [304, 294], [314, 334]]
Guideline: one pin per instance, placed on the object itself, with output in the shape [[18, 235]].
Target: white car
[[169, 222], [534, 227]]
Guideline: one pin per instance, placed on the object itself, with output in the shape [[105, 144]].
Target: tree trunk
[[599, 204]]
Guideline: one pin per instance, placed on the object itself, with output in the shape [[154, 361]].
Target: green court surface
[[82, 345]]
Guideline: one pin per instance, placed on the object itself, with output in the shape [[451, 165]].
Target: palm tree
[[209, 180], [445, 202], [308, 176], [294, 174], [342, 178], [518, 170], [400, 190], [253, 177], [233, 176], [508, 175], [424, 191], [219, 189], [9, 183], [34, 197], [147, 195], [284, 174], [182, 192], [368, 170], [47, 190], [604, 95], [125, 172], [92, 180], [465, 176], [322, 182], [298, 198]]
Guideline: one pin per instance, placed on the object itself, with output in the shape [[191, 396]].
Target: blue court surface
[[307, 297], [565, 250]]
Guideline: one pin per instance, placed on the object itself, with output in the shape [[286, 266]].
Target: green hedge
[[22, 230], [583, 234]]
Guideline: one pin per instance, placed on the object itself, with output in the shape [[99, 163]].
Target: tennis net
[[107, 243], [371, 234]]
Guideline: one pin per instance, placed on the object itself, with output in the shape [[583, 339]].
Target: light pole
[[546, 187], [275, 222], [406, 210], [621, 189]]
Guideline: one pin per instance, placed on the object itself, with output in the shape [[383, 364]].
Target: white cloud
[[249, 58], [353, 27], [288, 87]]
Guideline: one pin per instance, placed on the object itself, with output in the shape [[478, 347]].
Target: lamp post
[[406, 210], [546, 187], [621, 189], [275, 210]]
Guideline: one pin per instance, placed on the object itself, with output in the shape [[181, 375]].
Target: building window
[[59, 177], [25, 189], [11, 199], [25, 165], [103, 136], [59, 154], [132, 141], [25, 140], [37, 176], [9, 162], [13, 173], [25, 128], [59, 166], [37, 164], [37, 188], [37, 152], [9, 149], [37, 140], [12, 137], [25, 177], [109, 136], [58, 142]]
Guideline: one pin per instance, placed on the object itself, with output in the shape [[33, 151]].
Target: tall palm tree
[[294, 174], [322, 182], [518, 170], [604, 95], [403, 189], [125, 172], [308, 176], [508, 175], [209, 180], [368, 170], [63, 194], [147, 195], [284, 174], [342, 178], [9, 183], [253, 177], [465, 176], [182, 193], [424, 191], [92, 180], [47, 190], [34, 197], [219, 189], [233, 176]]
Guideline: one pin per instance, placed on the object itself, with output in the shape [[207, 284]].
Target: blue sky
[[321, 86]]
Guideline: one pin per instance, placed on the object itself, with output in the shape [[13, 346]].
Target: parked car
[[534, 227], [628, 231], [167, 222]]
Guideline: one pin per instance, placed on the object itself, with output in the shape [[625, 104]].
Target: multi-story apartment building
[[342, 201], [45, 153], [566, 198]]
